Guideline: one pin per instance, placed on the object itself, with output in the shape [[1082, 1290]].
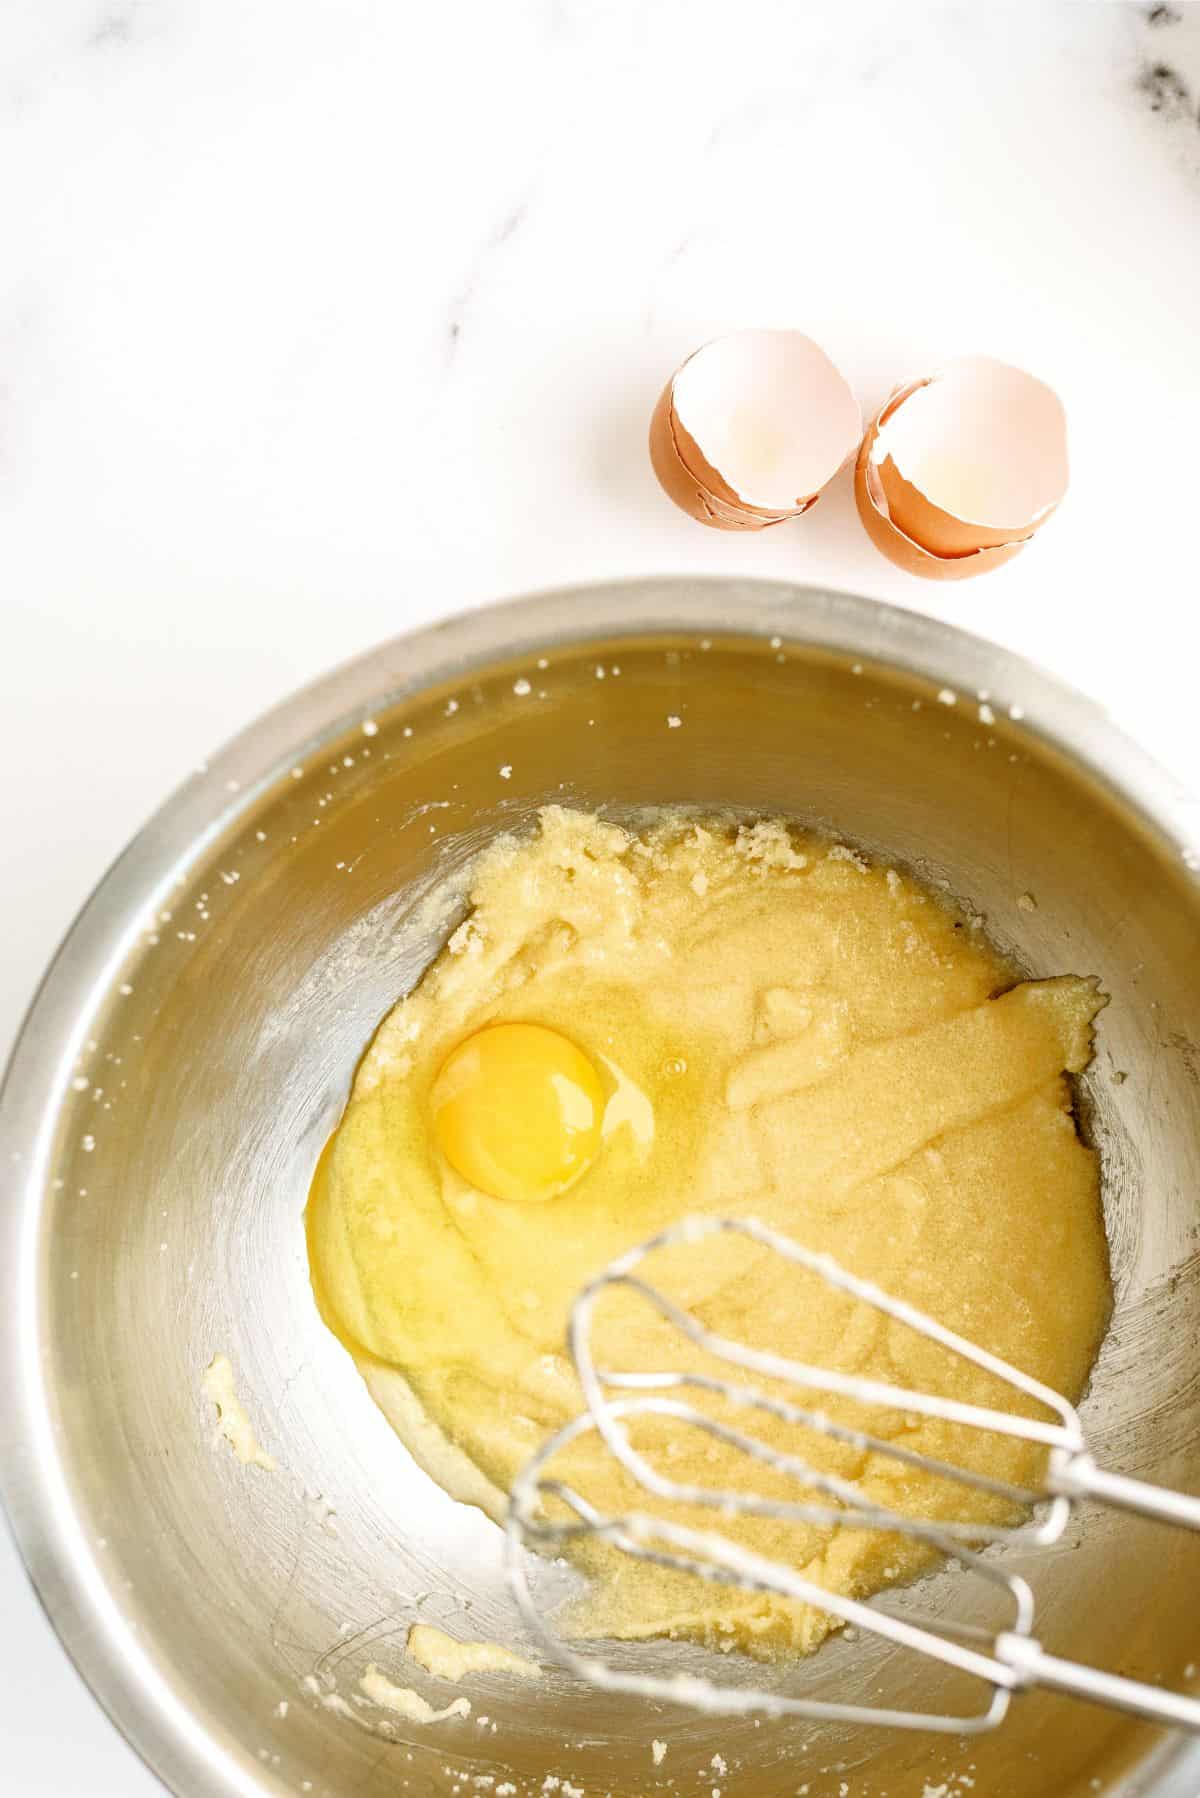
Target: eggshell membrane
[[892, 542], [730, 398], [975, 457]]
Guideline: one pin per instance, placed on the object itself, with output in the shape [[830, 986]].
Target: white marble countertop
[[319, 318]]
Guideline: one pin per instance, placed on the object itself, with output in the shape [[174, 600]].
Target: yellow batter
[[776, 1028]]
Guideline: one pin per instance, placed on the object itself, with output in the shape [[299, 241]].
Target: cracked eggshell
[[751, 427], [958, 471]]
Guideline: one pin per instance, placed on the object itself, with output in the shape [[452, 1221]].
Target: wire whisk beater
[[753, 1386]]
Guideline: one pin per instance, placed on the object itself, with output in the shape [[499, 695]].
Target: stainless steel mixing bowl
[[191, 1047]]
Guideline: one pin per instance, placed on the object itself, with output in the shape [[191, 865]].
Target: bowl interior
[[186, 1120]]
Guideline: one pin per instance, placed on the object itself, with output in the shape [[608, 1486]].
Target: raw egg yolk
[[518, 1111]]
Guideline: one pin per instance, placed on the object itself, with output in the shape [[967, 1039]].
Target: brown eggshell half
[[693, 481], [972, 402], [894, 543]]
